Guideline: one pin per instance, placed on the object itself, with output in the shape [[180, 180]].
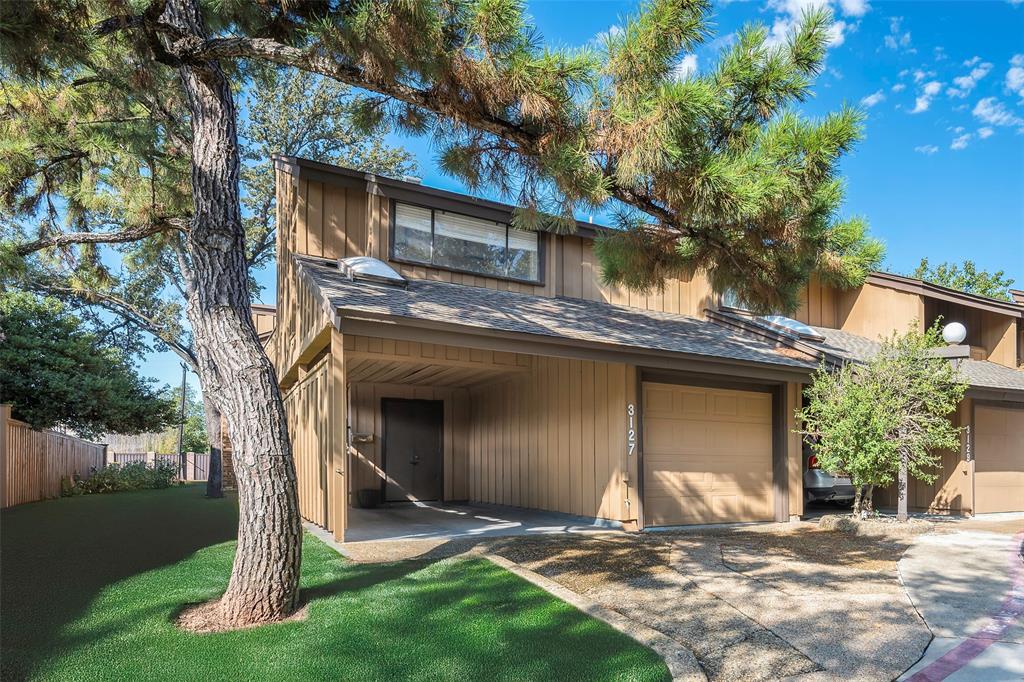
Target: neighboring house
[[493, 365]]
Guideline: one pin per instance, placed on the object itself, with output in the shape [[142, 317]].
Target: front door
[[413, 449]]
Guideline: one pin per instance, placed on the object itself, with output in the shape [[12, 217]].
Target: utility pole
[[181, 421]]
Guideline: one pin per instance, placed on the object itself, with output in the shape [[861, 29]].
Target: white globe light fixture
[[954, 333]]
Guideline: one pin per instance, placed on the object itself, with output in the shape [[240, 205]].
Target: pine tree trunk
[[233, 366], [215, 471]]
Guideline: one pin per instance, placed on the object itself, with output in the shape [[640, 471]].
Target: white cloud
[[972, 61], [897, 37], [789, 13], [920, 75], [686, 67], [854, 8], [990, 110], [927, 149], [961, 142], [899, 87], [964, 84], [873, 99], [602, 38], [1015, 76], [924, 99], [722, 42], [985, 132]]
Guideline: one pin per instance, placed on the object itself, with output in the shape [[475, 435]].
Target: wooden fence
[[197, 464], [32, 463]]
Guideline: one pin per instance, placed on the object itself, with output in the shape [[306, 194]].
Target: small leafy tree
[[887, 417], [194, 437], [967, 278], [57, 373]]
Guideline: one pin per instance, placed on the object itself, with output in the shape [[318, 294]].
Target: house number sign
[[631, 433]]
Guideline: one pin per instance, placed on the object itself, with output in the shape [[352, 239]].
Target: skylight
[[799, 328], [370, 269]]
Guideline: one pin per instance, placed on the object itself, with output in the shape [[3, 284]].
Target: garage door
[[707, 455], [999, 459]]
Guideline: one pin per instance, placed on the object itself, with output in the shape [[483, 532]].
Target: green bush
[[115, 478]]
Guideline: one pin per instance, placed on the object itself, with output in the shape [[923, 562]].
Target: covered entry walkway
[[442, 521]]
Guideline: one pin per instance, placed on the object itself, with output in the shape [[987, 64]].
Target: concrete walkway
[[967, 581]]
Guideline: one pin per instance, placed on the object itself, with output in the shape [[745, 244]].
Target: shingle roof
[[979, 373], [565, 318]]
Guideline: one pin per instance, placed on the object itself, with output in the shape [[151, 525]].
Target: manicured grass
[[90, 586]]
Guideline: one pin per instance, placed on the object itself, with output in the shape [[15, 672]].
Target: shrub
[[115, 478]]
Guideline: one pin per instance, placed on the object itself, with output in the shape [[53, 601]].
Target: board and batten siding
[[32, 463], [556, 439], [332, 221], [308, 412], [366, 421]]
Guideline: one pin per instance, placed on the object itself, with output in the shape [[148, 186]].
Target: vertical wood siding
[[307, 406], [555, 439], [952, 490], [34, 462], [367, 423], [873, 311], [794, 449]]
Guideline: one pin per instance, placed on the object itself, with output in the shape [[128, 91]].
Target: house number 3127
[[631, 433]]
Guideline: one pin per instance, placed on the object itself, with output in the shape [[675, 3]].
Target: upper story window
[[459, 242]]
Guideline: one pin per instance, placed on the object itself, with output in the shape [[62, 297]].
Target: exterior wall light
[[954, 333]]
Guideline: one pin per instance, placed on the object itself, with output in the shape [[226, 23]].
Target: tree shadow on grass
[[56, 556], [91, 587]]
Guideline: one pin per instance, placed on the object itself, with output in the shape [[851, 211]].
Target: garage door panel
[[999, 459], [709, 460]]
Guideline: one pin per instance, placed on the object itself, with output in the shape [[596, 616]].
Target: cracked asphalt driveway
[[751, 603]]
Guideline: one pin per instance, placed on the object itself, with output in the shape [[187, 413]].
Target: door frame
[[778, 390], [384, 443]]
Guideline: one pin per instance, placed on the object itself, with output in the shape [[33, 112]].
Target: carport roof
[[475, 308]]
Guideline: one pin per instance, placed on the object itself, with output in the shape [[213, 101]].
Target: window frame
[[392, 228]]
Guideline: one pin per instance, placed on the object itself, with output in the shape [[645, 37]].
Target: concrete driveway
[[967, 581]]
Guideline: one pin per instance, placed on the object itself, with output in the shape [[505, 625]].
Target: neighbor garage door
[[998, 459], [707, 455]]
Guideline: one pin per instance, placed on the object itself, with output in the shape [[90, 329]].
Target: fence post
[[5, 414], [151, 459], [190, 466], [108, 455]]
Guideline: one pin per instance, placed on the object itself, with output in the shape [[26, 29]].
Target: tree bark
[[215, 471], [869, 499], [235, 371], [857, 498]]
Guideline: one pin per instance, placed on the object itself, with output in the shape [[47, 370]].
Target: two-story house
[[427, 350]]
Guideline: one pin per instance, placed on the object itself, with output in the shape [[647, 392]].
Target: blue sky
[[940, 172]]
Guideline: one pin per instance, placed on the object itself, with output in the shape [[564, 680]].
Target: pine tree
[[120, 125]]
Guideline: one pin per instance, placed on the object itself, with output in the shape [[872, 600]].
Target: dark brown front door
[[413, 449]]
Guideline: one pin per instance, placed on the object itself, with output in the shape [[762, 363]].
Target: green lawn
[[90, 586]]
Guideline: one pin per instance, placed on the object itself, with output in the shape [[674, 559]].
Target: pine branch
[[126, 311], [128, 235]]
